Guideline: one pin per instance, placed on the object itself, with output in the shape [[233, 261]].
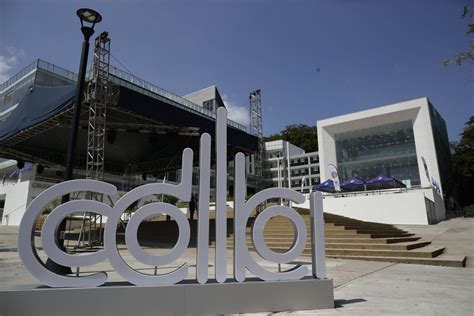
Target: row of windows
[[304, 161], [307, 182]]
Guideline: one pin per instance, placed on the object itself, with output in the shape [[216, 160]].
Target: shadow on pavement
[[341, 303]]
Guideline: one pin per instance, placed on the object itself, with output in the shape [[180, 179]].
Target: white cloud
[[9, 61], [238, 113]]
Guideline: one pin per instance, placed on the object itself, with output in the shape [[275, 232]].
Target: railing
[[123, 75], [60, 71], [374, 192], [164, 93], [19, 75], [39, 64]]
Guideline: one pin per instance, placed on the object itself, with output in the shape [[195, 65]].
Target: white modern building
[[289, 166], [407, 141]]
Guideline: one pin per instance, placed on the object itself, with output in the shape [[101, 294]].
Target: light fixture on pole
[[88, 16]]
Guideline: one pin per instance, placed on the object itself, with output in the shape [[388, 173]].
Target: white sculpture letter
[[221, 195], [242, 210], [202, 251], [181, 191], [26, 245]]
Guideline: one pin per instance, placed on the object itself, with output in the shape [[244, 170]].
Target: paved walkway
[[360, 287], [456, 234]]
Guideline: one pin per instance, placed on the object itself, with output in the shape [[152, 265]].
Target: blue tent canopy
[[326, 186], [26, 168], [354, 184], [384, 182]]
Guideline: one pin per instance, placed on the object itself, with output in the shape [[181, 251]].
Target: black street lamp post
[[92, 17]]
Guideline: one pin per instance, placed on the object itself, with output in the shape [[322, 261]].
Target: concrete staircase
[[347, 238]]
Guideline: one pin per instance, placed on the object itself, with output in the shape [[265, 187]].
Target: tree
[[467, 56], [301, 135], [462, 174], [272, 137]]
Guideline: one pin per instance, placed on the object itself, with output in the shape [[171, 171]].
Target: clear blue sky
[[369, 52]]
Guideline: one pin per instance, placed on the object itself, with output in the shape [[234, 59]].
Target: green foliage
[[170, 199], [132, 208], [462, 174], [272, 137], [51, 206], [469, 211], [182, 204], [301, 135], [462, 57]]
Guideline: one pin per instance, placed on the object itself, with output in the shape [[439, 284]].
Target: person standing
[[192, 207]]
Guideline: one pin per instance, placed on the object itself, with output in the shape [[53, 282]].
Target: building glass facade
[[388, 149], [441, 140], [210, 105]]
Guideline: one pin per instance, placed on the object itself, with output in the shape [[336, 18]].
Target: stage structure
[[295, 288], [150, 122], [136, 136]]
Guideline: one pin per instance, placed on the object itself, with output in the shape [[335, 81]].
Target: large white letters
[[243, 261]]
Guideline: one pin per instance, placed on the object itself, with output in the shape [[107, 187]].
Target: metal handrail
[[123, 75], [18, 75], [374, 192], [169, 95], [60, 71]]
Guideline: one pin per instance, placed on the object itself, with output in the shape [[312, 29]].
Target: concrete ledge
[[186, 298]]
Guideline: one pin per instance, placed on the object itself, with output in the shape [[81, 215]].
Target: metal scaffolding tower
[[256, 129], [256, 113], [98, 95]]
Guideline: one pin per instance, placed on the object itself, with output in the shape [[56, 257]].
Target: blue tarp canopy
[[383, 182], [354, 184], [326, 186], [37, 106]]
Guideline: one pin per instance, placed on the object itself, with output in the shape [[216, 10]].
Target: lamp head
[[89, 16]]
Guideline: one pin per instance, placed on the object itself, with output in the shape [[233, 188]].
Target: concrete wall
[[401, 208], [16, 201], [202, 95], [439, 207], [389, 207]]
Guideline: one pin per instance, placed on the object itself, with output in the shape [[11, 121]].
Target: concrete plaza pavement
[[360, 287]]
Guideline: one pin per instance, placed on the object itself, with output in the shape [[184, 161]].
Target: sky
[[311, 59]]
